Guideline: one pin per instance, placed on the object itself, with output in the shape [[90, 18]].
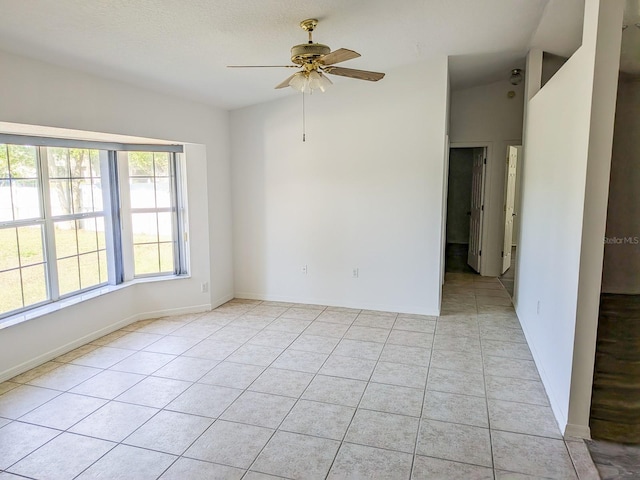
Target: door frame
[[485, 188], [515, 194]]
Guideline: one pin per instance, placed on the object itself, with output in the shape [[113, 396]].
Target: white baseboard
[[169, 312], [56, 352], [332, 303], [220, 300]]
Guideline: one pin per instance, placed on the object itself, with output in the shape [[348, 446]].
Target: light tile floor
[[260, 390]]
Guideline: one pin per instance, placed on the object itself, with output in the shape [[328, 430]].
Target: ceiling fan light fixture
[[299, 82], [318, 81], [309, 81]]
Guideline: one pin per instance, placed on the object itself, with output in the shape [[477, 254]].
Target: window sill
[[80, 298]]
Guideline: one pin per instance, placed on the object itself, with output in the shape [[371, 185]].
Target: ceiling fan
[[315, 60]]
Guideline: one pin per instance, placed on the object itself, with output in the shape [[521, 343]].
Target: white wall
[[604, 20], [364, 191], [567, 126], [622, 256], [550, 66], [484, 115], [37, 93]]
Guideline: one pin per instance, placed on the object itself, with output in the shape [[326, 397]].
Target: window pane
[[26, 199], [6, 207], [100, 231], [58, 162], [142, 193], [151, 188], [140, 164], [68, 275], [145, 227], [87, 239], [10, 293], [31, 249], [8, 250], [146, 259], [89, 270], [60, 195], [34, 285], [162, 164], [4, 161], [79, 163], [166, 257], [66, 243], [22, 161], [104, 271], [165, 226], [163, 193], [81, 196], [95, 163], [96, 186]]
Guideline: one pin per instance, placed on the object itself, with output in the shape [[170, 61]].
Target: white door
[[477, 207], [509, 202]]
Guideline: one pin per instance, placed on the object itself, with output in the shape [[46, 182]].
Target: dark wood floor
[[615, 461], [615, 402]]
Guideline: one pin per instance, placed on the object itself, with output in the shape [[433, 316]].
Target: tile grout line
[[355, 411], [217, 418], [424, 398], [121, 442], [192, 384], [486, 402], [297, 399]]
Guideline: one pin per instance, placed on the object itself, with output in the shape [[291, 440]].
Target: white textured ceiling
[[182, 46]]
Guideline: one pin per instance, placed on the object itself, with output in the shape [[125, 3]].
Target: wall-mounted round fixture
[[516, 76]]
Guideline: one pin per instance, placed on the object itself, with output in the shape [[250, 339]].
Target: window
[[22, 258], [77, 217], [68, 214], [153, 219]]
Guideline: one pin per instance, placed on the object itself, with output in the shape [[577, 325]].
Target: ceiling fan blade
[[352, 73], [340, 55], [286, 82], [263, 66]]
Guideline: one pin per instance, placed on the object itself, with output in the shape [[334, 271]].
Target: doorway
[[465, 209]]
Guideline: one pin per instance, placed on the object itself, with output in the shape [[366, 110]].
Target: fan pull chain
[[304, 128]]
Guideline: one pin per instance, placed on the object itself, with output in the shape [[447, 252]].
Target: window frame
[[51, 220], [118, 244], [176, 209], [14, 224]]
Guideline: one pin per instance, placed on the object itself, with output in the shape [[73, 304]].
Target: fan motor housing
[[308, 52]]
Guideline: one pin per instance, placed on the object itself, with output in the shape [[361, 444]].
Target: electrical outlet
[[355, 273], [304, 270], [204, 287]]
